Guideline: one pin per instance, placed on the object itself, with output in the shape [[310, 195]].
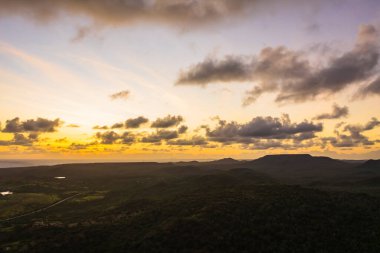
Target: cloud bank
[[178, 13], [260, 133], [261, 128], [166, 122], [291, 74], [352, 135], [40, 125], [26, 133]]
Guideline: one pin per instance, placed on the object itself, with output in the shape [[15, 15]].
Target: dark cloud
[[178, 13], [41, 125], [182, 129], [166, 122], [121, 95], [129, 123], [374, 122], [20, 139], [211, 70], [373, 88], [352, 135], [266, 144], [159, 136], [261, 128], [100, 127], [193, 141], [303, 136], [167, 134], [136, 122], [13, 126], [111, 137], [337, 113], [353, 66], [117, 125], [38, 125], [127, 138], [260, 144], [290, 73]]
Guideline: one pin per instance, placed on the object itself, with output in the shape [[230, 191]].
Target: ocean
[[13, 163]]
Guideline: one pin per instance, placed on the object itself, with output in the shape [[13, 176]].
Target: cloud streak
[[373, 88], [177, 13], [232, 68], [337, 113], [123, 95]]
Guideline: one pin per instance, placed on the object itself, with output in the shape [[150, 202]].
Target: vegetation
[[207, 207]]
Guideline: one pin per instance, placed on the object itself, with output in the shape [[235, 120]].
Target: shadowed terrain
[[277, 203]]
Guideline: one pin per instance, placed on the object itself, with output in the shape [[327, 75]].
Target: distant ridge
[[294, 166], [304, 160], [225, 161], [286, 157], [371, 164]]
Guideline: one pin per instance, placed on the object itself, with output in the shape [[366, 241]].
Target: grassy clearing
[[93, 196], [20, 203]]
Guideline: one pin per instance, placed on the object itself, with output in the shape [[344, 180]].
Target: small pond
[[5, 193]]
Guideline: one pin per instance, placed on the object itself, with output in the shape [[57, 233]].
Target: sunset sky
[[189, 79]]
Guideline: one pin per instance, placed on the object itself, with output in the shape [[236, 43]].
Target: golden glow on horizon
[[73, 81]]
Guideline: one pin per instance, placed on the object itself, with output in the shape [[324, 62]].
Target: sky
[[189, 79]]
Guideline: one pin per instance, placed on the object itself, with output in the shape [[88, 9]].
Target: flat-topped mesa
[[296, 161], [288, 156]]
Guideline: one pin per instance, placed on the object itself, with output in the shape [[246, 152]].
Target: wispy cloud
[[122, 95], [337, 113]]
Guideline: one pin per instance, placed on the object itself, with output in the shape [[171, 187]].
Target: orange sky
[[217, 79]]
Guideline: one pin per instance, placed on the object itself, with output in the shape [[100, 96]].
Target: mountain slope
[[302, 166], [370, 164]]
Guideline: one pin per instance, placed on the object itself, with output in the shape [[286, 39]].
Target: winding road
[[42, 209]]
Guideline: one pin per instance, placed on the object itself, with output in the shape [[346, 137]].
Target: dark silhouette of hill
[[303, 161], [300, 166], [368, 173], [219, 206], [224, 161], [370, 164]]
